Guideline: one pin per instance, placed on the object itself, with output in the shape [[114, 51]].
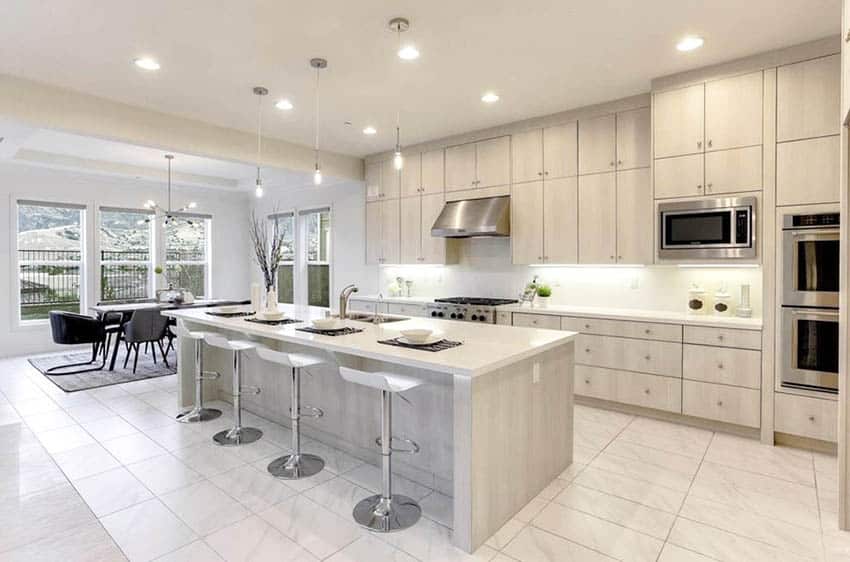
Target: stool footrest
[[310, 412], [249, 389], [412, 450], [209, 376]]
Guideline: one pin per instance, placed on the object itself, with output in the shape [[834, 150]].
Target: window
[[50, 253], [317, 225], [286, 270], [187, 253], [126, 255], [304, 276]]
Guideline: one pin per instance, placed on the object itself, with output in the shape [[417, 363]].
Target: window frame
[[293, 214], [152, 250], [207, 262], [16, 200]]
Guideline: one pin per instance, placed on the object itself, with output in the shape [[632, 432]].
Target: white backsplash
[[485, 270]]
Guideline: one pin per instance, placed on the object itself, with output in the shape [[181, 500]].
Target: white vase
[[542, 302], [271, 299]]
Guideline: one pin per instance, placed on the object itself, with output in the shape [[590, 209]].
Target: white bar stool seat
[[296, 465], [198, 413], [386, 512], [237, 435]]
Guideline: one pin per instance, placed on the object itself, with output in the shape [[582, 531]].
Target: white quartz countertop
[[486, 347], [643, 315]]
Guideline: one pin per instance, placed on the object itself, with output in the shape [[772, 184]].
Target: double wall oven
[[810, 272]]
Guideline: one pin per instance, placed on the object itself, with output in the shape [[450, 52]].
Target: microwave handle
[[816, 312], [805, 232]]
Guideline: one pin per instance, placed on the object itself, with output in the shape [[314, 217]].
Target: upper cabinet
[[527, 156], [733, 112], [480, 164], [633, 131], [383, 181], [422, 173], [373, 181], [411, 175], [679, 121], [807, 99], [544, 222], [597, 140], [597, 222], [560, 151]]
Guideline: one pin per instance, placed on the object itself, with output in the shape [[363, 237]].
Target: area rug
[[146, 369]]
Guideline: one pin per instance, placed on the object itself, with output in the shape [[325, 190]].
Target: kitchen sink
[[375, 318]]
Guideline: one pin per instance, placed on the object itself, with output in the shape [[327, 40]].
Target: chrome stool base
[[383, 515], [292, 467], [237, 436], [196, 415]]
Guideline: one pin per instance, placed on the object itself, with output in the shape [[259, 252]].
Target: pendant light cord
[[169, 186], [316, 118], [259, 133]]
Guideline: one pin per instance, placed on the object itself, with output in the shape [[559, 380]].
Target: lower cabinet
[[720, 402], [806, 417], [637, 389], [406, 309]]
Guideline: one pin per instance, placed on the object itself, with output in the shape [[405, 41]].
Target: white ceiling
[[541, 56]]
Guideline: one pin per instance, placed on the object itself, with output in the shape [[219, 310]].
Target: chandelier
[[167, 212]]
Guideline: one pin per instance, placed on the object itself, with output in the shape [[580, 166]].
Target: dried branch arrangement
[[268, 247]]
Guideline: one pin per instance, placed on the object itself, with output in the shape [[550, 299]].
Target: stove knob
[[453, 315], [482, 319], [460, 316], [433, 313], [473, 317], [440, 314]]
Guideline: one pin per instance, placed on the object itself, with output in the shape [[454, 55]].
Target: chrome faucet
[[344, 295]]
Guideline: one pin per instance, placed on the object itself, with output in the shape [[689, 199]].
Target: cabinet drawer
[[723, 337], [729, 404], [546, 321], [362, 306], [406, 309], [807, 417], [725, 365], [644, 356], [648, 391], [622, 328], [503, 318]]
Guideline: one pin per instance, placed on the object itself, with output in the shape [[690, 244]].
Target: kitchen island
[[494, 419]]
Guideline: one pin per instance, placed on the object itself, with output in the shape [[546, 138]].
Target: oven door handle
[[815, 312], [814, 232]]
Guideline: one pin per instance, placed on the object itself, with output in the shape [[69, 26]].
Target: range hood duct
[[487, 217]]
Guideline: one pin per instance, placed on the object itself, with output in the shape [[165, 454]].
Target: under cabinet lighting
[[689, 43], [490, 97], [718, 265], [370, 130], [146, 63], [284, 105]]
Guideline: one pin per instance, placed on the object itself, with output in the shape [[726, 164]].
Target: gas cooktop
[[476, 301]]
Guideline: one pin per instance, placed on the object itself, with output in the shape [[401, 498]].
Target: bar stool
[[198, 413], [386, 512], [237, 435], [296, 465]]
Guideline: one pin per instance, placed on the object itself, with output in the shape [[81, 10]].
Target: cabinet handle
[[847, 37], [612, 163], [586, 381], [720, 403], [611, 257], [648, 357], [811, 418], [647, 331], [619, 162], [709, 143], [699, 144], [539, 258], [720, 366], [720, 337], [619, 257], [646, 391], [587, 350], [546, 173], [539, 173], [587, 326], [709, 185], [699, 187]]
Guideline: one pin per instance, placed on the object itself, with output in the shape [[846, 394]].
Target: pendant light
[[259, 91], [167, 212], [318, 64], [399, 26]]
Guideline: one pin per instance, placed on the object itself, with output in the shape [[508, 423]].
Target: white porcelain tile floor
[[108, 475]]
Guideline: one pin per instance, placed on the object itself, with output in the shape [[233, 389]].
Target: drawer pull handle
[[647, 331], [587, 350], [720, 366], [720, 402], [811, 418], [587, 326], [586, 381], [720, 337], [646, 391], [648, 357]]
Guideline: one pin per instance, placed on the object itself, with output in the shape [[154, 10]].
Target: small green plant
[[544, 291], [158, 270]]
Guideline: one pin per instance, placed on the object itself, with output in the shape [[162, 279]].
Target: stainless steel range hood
[[490, 216]]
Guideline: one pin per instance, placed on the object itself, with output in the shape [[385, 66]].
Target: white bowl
[[327, 323], [417, 335], [271, 315]]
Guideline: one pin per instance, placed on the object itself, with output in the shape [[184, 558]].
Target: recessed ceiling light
[[689, 43], [370, 130], [146, 63], [490, 97], [408, 52], [284, 104]]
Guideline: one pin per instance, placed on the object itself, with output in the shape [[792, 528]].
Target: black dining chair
[[68, 328], [148, 326]]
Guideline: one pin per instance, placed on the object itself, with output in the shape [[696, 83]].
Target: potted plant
[[544, 293]]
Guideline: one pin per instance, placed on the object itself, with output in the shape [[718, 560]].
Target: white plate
[[429, 341], [332, 326]]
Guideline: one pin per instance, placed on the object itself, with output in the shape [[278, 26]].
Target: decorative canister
[[722, 302], [696, 300]]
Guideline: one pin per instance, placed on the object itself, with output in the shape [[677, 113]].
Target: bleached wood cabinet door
[[633, 133], [373, 181], [411, 175], [410, 243], [560, 220], [679, 121], [526, 227], [597, 223], [807, 99], [560, 151], [433, 179], [597, 145], [433, 247], [733, 112], [390, 233], [681, 176], [734, 170], [493, 162], [373, 232], [527, 156], [460, 167], [807, 171], [845, 59], [390, 180], [634, 217]]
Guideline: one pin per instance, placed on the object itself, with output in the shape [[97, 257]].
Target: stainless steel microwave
[[708, 229]]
